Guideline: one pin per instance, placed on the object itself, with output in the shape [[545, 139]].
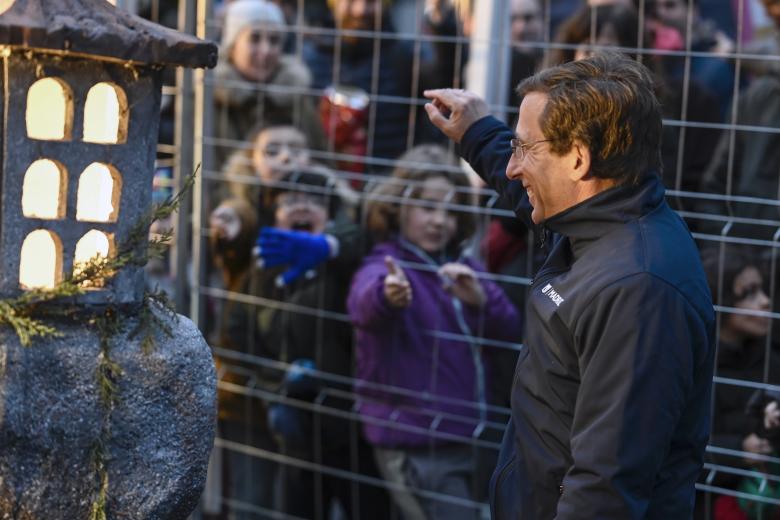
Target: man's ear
[[580, 161]]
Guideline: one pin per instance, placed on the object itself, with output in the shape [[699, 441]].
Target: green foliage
[[108, 371], [98, 510], [25, 314], [155, 303]]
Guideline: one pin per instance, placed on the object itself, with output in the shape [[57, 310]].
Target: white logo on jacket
[[556, 298]]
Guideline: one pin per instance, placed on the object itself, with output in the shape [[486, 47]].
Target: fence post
[[202, 156], [489, 54], [184, 164]]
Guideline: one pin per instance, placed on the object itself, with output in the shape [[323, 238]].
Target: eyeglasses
[[520, 149]]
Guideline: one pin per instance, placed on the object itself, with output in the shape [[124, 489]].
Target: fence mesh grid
[[336, 91]]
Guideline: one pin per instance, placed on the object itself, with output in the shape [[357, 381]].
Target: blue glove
[[300, 250], [288, 422]]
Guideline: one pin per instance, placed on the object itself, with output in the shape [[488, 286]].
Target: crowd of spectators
[[374, 294]]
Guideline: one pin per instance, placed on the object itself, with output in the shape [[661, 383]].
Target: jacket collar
[[599, 215]]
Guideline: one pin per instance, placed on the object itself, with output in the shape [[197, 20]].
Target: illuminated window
[[49, 110], [105, 114], [98, 197], [93, 244], [43, 191], [5, 5], [40, 265]]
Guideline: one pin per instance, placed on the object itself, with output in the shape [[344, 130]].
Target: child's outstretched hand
[[462, 282], [398, 292], [224, 223], [772, 415]]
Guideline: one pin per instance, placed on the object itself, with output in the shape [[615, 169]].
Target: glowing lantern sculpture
[[81, 88], [83, 81]]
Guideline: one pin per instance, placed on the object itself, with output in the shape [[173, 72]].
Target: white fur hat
[[241, 14]]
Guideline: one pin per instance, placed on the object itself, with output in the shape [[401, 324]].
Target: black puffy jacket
[[611, 395]]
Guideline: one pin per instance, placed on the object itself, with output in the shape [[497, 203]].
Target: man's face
[[526, 21], [356, 15], [546, 177]]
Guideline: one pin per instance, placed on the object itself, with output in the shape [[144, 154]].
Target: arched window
[[94, 243], [49, 112], [100, 187], [40, 264], [105, 114], [43, 191], [5, 5]]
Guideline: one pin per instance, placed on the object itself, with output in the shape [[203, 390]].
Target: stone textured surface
[[162, 429], [96, 27]]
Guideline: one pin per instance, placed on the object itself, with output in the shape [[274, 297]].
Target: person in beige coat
[[254, 81]]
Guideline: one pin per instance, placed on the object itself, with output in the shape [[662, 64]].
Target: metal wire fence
[[292, 440]]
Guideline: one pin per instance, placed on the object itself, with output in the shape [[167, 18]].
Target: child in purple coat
[[422, 314]]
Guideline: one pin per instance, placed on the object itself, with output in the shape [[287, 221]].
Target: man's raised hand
[[453, 111]]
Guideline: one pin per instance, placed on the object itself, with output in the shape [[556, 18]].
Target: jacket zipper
[[543, 238]]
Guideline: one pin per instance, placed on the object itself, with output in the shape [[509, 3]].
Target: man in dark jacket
[[611, 396]]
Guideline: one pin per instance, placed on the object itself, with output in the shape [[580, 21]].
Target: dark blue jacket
[[611, 396]]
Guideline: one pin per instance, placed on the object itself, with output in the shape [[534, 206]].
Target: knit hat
[[241, 14]]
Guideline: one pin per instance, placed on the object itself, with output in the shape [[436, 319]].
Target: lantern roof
[[96, 27]]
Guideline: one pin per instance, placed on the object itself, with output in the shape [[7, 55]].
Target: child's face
[[749, 295], [429, 225], [277, 150], [301, 212]]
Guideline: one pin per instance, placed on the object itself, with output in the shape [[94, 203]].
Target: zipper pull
[[543, 238]]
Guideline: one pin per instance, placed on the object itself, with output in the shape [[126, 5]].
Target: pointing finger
[[394, 269]]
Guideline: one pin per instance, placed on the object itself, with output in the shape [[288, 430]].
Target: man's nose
[[512, 171]]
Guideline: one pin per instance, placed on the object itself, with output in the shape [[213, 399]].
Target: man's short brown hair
[[608, 103]]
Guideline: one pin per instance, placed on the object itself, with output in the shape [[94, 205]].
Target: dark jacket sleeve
[[486, 147], [642, 354]]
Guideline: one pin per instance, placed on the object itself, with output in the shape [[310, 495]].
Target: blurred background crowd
[[364, 293]]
